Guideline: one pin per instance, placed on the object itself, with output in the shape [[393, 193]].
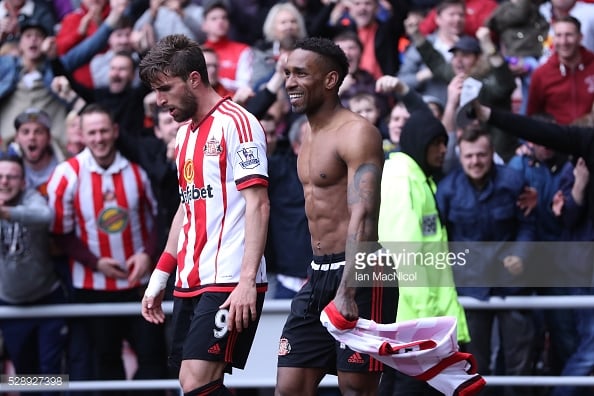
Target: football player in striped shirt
[[216, 242]]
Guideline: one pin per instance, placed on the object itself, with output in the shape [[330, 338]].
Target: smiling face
[[451, 19], [12, 181], [99, 135], [566, 41], [34, 140], [305, 81], [476, 159], [398, 117]]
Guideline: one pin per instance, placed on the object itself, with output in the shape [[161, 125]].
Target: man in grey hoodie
[[27, 275]]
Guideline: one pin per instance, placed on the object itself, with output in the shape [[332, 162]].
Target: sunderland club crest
[[212, 147]]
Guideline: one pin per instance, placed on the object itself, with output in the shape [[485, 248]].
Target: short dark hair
[[175, 56], [11, 156], [93, 108], [474, 132], [333, 55], [209, 5], [349, 35], [123, 23], [570, 19], [442, 5], [127, 54]]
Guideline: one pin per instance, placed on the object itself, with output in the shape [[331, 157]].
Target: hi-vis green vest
[[408, 213]]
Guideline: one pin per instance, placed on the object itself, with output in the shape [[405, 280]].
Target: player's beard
[[187, 108]]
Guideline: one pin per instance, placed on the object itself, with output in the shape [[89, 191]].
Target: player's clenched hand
[[241, 304], [346, 306], [152, 308]]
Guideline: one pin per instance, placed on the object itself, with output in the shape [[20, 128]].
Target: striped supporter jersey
[[111, 210], [216, 159]]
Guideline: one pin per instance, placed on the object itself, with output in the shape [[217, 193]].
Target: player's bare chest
[[319, 163]]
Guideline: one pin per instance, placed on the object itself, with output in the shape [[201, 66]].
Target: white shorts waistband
[[327, 267]]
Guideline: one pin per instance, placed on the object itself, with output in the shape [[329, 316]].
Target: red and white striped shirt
[[424, 348], [111, 210], [217, 159]]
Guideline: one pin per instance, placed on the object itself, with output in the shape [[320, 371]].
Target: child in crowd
[[366, 106]]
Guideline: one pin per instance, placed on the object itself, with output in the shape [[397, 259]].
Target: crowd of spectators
[[70, 95]]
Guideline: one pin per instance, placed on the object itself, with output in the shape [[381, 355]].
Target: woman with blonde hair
[[283, 23]]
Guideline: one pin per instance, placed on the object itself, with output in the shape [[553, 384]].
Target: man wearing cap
[[25, 80], [15, 13], [478, 58], [33, 141]]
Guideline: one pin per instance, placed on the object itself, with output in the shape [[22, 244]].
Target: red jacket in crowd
[[557, 90]]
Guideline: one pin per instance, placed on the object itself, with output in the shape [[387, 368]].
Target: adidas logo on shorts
[[215, 349], [356, 358]]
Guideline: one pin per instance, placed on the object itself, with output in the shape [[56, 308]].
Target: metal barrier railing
[[527, 381], [283, 306], [273, 315]]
